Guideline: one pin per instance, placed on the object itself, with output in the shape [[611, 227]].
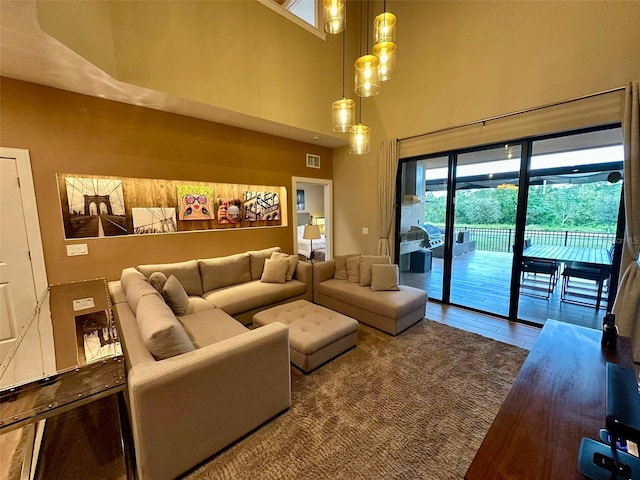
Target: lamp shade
[[311, 232], [334, 17], [386, 53], [384, 28], [343, 114], [367, 79], [360, 139]]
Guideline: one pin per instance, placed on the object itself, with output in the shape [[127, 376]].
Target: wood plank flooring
[[513, 333], [481, 280]]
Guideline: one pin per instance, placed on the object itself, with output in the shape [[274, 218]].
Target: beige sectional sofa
[[199, 380], [365, 287]]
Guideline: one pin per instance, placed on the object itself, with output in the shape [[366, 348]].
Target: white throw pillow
[[275, 271], [384, 277]]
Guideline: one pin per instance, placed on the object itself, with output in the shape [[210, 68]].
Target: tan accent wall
[[464, 61], [70, 133]]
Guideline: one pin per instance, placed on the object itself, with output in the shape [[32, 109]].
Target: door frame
[[328, 211], [36, 253]]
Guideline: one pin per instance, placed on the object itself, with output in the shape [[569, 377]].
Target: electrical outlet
[[365, 231], [77, 249], [83, 304]]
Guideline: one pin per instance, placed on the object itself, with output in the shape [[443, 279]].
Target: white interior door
[[26, 334]]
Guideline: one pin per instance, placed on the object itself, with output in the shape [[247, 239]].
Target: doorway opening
[[312, 203]]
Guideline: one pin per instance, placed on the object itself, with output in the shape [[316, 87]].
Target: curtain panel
[[387, 170], [627, 303]]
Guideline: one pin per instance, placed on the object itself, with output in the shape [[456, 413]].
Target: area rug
[[415, 406]]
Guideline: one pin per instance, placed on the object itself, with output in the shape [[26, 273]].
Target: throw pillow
[[293, 263], [275, 271], [353, 269], [256, 260], [384, 277], [157, 280], [365, 267], [341, 266], [175, 295]]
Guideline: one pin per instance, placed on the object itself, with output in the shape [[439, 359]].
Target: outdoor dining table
[[594, 262], [594, 256]]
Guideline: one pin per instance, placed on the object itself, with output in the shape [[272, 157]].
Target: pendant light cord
[[344, 43], [368, 8]]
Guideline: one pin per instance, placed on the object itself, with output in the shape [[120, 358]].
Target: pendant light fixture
[[334, 16], [367, 68], [360, 137], [386, 53], [343, 110], [384, 27], [384, 36]]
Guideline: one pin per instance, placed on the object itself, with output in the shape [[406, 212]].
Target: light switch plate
[[365, 231], [83, 304], [77, 249]]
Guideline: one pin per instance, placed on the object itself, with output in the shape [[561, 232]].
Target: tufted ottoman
[[316, 334]]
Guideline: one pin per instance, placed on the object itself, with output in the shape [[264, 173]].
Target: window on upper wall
[[306, 10]]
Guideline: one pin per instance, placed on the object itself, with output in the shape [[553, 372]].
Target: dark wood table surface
[[596, 256], [557, 398]]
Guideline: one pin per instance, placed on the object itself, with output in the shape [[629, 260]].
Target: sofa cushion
[[210, 326], [175, 295], [365, 262], [128, 276], [257, 259], [247, 296], [187, 274], [136, 289], [224, 271], [197, 304], [353, 269], [391, 304], [157, 280], [291, 259], [275, 271], [161, 332], [341, 266], [384, 277]]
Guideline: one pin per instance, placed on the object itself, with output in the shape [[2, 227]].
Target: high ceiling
[[28, 53]]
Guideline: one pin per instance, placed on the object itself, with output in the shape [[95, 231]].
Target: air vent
[[313, 161]]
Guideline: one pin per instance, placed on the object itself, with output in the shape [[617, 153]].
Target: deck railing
[[502, 239]]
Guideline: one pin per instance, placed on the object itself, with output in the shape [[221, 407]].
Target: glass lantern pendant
[[360, 139], [384, 28], [367, 79], [343, 113], [334, 17], [386, 53]]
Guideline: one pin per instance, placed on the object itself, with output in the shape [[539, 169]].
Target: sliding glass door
[[472, 223], [421, 236], [575, 185], [486, 193]]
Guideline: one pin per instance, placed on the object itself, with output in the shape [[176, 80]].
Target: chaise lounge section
[[391, 310]]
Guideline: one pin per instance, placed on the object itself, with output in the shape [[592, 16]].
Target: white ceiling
[[28, 53]]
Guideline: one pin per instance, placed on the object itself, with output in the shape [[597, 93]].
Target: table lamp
[[311, 233]]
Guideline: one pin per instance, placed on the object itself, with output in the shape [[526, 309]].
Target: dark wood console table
[[557, 398]]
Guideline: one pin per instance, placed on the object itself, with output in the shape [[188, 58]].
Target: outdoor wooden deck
[[481, 280]]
